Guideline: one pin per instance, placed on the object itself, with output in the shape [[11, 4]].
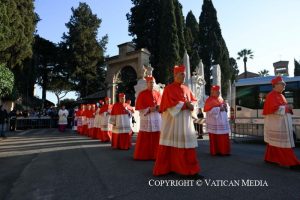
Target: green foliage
[[69, 103], [263, 73], [158, 26], [245, 54], [192, 23], [166, 37], [25, 77], [169, 51], [213, 49], [235, 69], [6, 81], [85, 54], [297, 68], [144, 26], [192, 39], [180, 29], [60, 86], [45, 60], [128, 79], [17, 26]]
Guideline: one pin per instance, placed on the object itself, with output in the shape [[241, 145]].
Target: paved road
[[45, 164]]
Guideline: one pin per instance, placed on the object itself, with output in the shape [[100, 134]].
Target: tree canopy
[[85, 53], [159, 26], [192, 39], [17, 26], [212, 46]]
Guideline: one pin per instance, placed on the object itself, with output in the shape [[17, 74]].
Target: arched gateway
[[125, 69]]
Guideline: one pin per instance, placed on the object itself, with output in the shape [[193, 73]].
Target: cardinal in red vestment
[[278, 129], [120, 119], [106, 128], [217, 123], [147, 104], [178, 138]]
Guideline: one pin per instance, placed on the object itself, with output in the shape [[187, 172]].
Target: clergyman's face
[[122, 99], [214, 93], [150, 85], [280, 87], [179, 77]]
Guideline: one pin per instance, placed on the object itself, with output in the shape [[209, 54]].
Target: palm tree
[[263, 73], [245, 54]]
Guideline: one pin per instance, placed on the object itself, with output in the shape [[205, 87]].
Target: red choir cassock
[[150, 124], [92, 128], [79, 114], [84, 121], [97, 121], [89, 116], [217, 124], [105, 134], [278, 129], [120, 119], [178, 140], [91, 122]]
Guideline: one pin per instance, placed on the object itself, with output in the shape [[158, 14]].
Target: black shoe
[[200, 137]]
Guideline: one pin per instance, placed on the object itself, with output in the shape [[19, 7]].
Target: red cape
[[105, 108], [173, 94], [213, 102], [147, 98], [273, 101], [79, 112], [89, 113], [120, 109]]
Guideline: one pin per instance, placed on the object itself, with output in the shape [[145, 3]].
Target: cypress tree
[[180, 29], [144, 26], [188, 37], [191, 38], [213, 48], [192, 23], [158, 26], [85, 52], [169, 51]]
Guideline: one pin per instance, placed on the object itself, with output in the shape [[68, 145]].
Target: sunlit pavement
[[46, 164]]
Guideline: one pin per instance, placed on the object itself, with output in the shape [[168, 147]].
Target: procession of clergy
[[167, 134]]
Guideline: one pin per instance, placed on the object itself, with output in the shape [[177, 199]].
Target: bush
[[6, 81]]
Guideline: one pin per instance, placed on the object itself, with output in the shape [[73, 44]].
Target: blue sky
[[269, 27]]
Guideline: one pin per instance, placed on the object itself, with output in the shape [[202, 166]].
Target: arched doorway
[[129, 59], [127, 79]]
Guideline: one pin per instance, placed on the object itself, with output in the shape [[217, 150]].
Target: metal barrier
[[246, 131], [199, 122], [251, 130], [34, 122], [22, 123]]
